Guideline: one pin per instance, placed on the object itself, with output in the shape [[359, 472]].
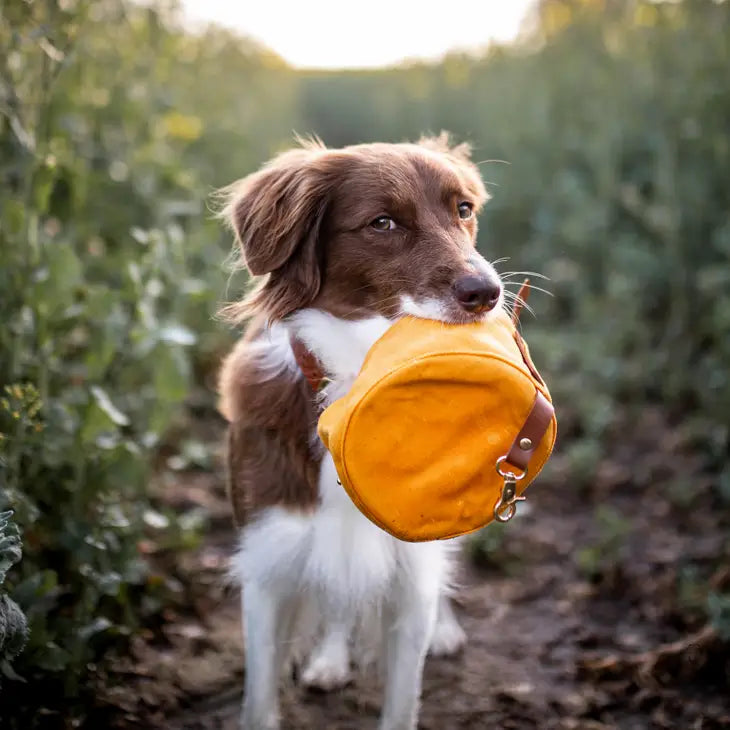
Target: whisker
[[531, 286], [502, 162], [524, 273], [510, 309], [519, 300]]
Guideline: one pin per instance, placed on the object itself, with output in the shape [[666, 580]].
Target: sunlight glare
[[336, 34]]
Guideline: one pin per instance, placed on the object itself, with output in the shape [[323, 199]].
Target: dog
[[340, 242]]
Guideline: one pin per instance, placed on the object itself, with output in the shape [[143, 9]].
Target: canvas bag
[[443, 429]]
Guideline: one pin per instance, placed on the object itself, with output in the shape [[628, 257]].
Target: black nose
[[476, 293]]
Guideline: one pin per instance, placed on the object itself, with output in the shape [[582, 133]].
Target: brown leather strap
[[308, 364], [520, 301], [529, 437], [522, 347]]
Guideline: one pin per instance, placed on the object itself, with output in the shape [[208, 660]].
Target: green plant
[[609, 548], [718, 609], [94, 350], [13, 624], [486, 547]]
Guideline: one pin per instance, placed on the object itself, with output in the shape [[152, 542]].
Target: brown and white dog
[[346, 241]]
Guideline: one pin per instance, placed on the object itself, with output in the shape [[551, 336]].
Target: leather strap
[[520, 301], [308, 364], [529, 437]]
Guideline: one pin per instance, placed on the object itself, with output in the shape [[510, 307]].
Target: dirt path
[[570, 622]]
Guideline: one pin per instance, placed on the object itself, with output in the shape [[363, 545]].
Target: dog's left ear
[[276, 215], [274, 211], [460, 155], [442, 143]]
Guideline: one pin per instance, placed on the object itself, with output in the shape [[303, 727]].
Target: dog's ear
[[460, 155], [276, 213], [442, 143]]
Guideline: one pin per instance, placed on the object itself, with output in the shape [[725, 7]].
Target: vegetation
[[115, 126], [13, 624]]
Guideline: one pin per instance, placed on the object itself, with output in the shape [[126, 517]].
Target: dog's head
[[384, 229]]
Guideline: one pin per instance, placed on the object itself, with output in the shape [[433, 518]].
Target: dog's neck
[[331, 350], [308, 363]]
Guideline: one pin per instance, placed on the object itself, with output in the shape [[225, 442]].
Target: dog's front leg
[[262, 613], [409, 626]]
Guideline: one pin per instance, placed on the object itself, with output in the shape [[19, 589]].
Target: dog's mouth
[[449, 309], [460, 317]]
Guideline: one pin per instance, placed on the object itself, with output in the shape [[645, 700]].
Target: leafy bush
[[98, 283], [610, 546], [13, 624], [718, 608]]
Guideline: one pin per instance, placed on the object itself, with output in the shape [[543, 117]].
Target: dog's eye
[[466, 210], [383, 223]]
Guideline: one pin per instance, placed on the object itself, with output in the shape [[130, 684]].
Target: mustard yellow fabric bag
[[443, 429]]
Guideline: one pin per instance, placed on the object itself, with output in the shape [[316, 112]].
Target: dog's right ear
[[275, 213]]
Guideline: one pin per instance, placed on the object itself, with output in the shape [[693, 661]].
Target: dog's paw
[[251, 720], [448, 637], [326, 672]]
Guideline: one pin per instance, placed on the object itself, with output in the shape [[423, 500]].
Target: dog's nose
[[476, 293]]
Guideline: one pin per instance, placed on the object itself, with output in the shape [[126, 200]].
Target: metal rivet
[[339, 482], [525, 444]]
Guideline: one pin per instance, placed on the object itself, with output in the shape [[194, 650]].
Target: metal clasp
[[506, 506]]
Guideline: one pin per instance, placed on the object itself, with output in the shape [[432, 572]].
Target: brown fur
[[271, 458], [303, 224]]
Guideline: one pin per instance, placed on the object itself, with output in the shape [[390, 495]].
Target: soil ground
[[579, 616]]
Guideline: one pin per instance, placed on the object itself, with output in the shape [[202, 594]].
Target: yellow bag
[[443, 428]]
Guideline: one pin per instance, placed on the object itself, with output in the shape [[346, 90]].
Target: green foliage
[[486, 548], [106, 270], [13, 624], [13, 634], [10, 547], [610, 546], [718, 608], [705, 597]]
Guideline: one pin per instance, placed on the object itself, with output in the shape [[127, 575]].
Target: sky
[[366, 33]]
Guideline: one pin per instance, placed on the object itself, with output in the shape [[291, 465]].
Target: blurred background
[[602, 129]]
